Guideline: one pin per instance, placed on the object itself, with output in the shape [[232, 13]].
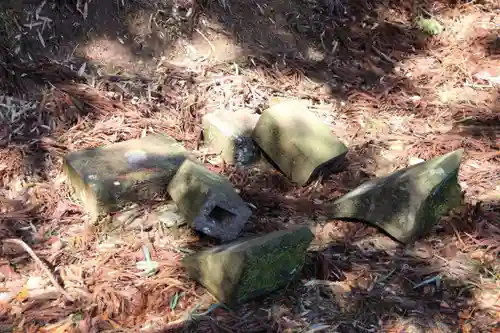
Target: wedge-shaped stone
[[208, 201], [107, 178], [407, 203], [298, 142], [250, 268], [230, 134]]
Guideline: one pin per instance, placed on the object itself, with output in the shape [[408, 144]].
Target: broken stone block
[[250, 268], [407, 203], [230, 134], [298, 142], [107, 178], [208, 201]]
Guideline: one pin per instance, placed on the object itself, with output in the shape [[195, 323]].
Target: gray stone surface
[[208, 201], [250, 268], [298, 142], [408, 203], [230, 134], [108, 178]]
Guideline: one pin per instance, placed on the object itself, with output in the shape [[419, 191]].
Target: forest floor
[[79, 74]]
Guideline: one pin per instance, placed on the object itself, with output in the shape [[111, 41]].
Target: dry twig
[[44, 267]]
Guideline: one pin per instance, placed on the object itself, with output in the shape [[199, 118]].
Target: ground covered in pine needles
[[83, 73]]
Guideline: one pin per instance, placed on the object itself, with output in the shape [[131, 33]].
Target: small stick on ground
[[45, 268], [209, 43]]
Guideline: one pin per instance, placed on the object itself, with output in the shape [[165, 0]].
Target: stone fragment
[[208, 201], [298, 142], [407, 203], [230, 134], [107, 178], [250, 268]]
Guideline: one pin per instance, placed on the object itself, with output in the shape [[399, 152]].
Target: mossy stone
[[408, 203], [107, 178], [208, 201], [250, 268], [229, 133], [299, 143]]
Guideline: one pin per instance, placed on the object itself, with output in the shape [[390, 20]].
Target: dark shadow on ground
[[482, 125], [74, 24], [344, 50], [29, 128], [382, 276], [493, 45], [386, 291]]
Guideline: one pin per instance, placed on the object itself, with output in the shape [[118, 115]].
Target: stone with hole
[[407, 203], [252, 267], [230, 134], [299, 144], [208, 201], [108, 178]]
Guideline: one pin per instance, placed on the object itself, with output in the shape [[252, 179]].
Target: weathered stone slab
[[230, 134], [407, 203], [107, 178], [298, 142], [250, 268], [208, 201]]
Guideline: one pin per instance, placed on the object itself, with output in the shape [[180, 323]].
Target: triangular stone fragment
[[407, 203], [250, 268]]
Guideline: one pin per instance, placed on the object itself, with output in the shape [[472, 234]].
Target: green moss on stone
[[407, 203], [270, 267], [444, 197], [243, 270]]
